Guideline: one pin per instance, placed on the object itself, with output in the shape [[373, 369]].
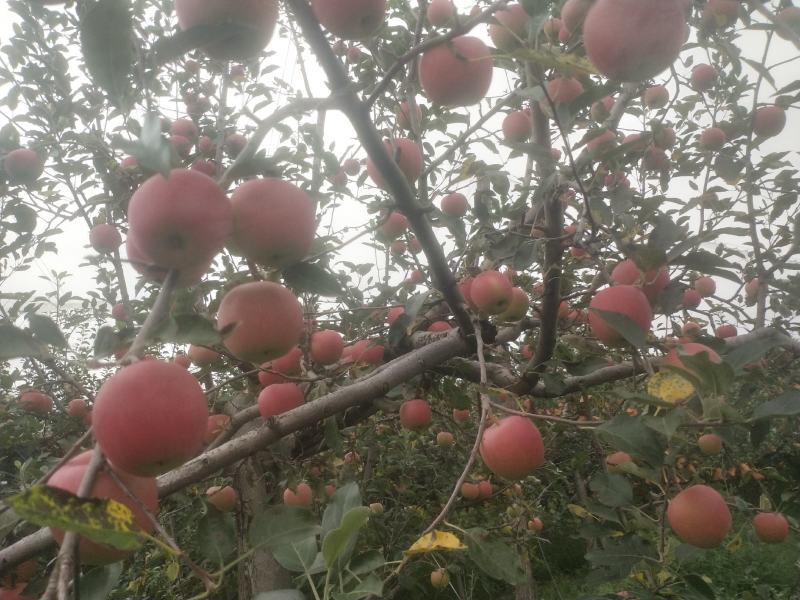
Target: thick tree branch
[[359, 115]]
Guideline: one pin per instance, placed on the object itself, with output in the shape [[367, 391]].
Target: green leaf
[[98, 583], [152, 151], [173, 47], [109, 340], [666, 424], [415, 304], [343, 500], [623, 325], [699, 585], [187, 328], [107, 41], [370, 586], [665, 233], [785, 405], [752, 351], [24, 218], [338, 540], [46, 330], [279, 525], [297, 556], [619, 556], [312, 278], [102, 520], [728, 169], [16, 343], [333, 437], [631, 435], [494, 557], [281, 595], [612, 489], [216, 536], [367, 562]]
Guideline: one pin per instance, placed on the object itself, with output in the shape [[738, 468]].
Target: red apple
[[444, 439], [536, 525], [691, 299], [769, 121], [119, 312], [273, 222], [512, 447], [206, 146], [726, 331], [206, 167], [551, 27], [150, 417], [654, 282], [181, 145], [180, 221], [223, 498], [470, 491], [485, 489], [184, 128], [267, 321], [440, 578], [601, 140], [300, 496], [279, 398], [22, 166], [202, 356], [699, 516], [364, 351], [517, 127], [461, 415], [215, 425], [563, 90], [288, 364], [751, 288], [234, 144], [655, 159], [633, 40], [68, 478], [573, 13], [710, 443], [405, 154], [702, 77], [719, 14], [601, 109], [395, 225], [511, 29], [491, 292], [326, 346], [626, 300], [330, 490], [440, 12], [656, 96], [439, 326], [34, 401], [455, 205], [394, 313], [771, 527], [350, 19], [129, 163], [257, 19], [105, 238], [712, 139], [403, 115], [77, 407], [456, 73], [664, 137], [616, 459], [415, 414]]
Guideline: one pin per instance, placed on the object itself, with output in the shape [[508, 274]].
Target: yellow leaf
[[435, 540], [173, 570], [578, 511], [670, 387], [735, 544], [570, 64]]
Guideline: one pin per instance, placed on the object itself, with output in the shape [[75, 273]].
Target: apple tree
[[350, 299]]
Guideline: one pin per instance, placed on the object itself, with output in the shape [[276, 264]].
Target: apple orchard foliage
[[564, 315]]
